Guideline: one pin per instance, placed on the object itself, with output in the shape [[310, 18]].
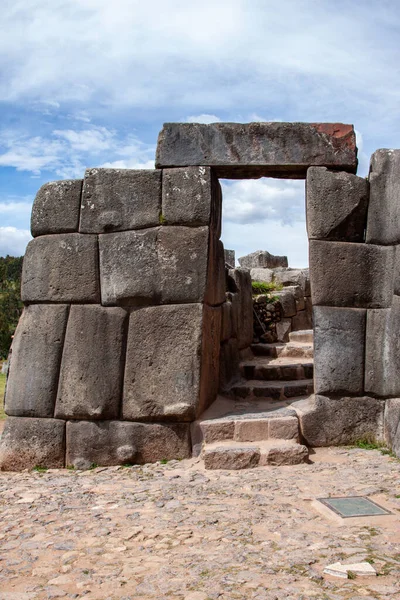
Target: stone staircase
[[255, 424]]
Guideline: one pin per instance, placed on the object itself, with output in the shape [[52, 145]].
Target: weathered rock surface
[[328, 421], [235, 458], [164, 354], [392, 424], [252, 150], [216, 274], [230, 258], [337, 205], [262, 259], [118, 442], [383, 224], [56, 207], [159, 265], [261, 274], [229, 372], [339, 347], [293, 277], [283, 328], [396, 271], [242, 305], [284, 453], [382, 351], [287, 302], [120, 199], [189, 195], [226, 321], [91, 373], [35, 361], [352, 275], [210, 357], [27, 443], [61, 268]]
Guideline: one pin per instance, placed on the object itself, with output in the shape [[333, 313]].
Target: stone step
[[306, 335], [275, 390], [256, 369], [238, 455], [271, 350], [291, 349]]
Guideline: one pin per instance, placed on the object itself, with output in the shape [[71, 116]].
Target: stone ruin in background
[[132, 325]]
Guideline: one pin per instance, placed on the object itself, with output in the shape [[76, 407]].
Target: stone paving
[[177, 531]]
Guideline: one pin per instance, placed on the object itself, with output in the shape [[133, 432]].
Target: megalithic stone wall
[[354, 230], [117, 350]]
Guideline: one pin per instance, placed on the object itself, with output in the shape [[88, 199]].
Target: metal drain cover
[[354, 506]]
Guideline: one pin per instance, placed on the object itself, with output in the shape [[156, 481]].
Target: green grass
[[370, 444], [261, 287], [2, 389]]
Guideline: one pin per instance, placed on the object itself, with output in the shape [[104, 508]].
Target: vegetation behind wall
[[10, 302]]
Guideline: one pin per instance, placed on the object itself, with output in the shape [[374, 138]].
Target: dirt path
[[177, 531]]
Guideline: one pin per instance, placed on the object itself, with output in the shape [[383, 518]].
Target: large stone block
[[293, 277], [91, 373], [383, 224], [287, 300], [337, 205], [262, 259], [210, 354], [35, 361], [242, 306], [61, 268], [229, 370], [396, 271], [162, 265], [120, 199], [353, 275], [56, 207], [110, 443], [164, 358], [216, 274], [182, 261], [335, 421], [230, 258], [252, 150], [27, 443], [382, 351], [261, 274], [339, 346], [191, 196], [392, 424]]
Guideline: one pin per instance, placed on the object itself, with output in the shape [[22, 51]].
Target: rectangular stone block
[[252, 150], [120, 200], [352, 275], [35, 361], [192, 196], [162, 265], [337, 205], [242, 306], [216, 274], [92, 365], [27, 443], [229, 370], [61, 268], [261, 259], [382, 351], [339, 347], [392, 425], [328, 421], [56, 207], [230, 258], [164, 358], [108, 443], [210, 355], [383, 224]]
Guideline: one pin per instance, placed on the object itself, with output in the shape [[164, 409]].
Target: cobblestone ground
[[177, 531]]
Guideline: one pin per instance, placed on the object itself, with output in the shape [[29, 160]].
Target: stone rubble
[[167, 531]]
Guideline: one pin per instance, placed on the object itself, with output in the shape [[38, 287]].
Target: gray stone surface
[[158, 265], [293, 277], [216, 274], [396, 271], [210, 355], [284, 454], [383, 224], [337, 205], [56, 207], [392, 425], [230, 259], [283, 328], [382, 351], [188, 196], [252, 150], [229, 359], [328, 421], [226, 321], [262, 259], [232, 458], [287, 301], [261, 274], [164, 354], [242, 305], [302, 320], [116, 442], [61, 268], [120, 199], [353, 275], [35, 361], [27, 443], [91, 372], [339, 347]]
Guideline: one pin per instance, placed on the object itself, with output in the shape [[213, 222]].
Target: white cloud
[[204, 118], [13, 241], [262, 200], [128, 164]]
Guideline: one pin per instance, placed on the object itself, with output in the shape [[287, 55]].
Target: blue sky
[[88, 83]]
